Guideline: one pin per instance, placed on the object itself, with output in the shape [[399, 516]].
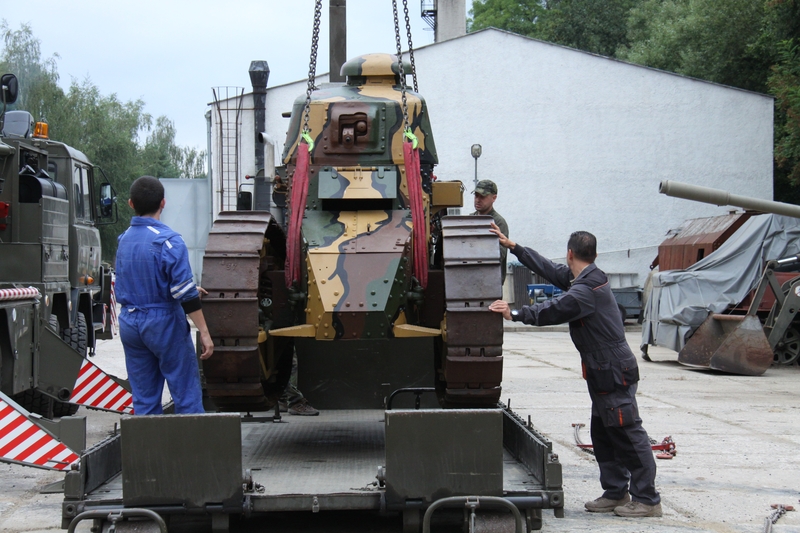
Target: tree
[[38, 77], [783, 29], [161, 157], [785, 84], [518, 16], [598, 26], [716, 40]]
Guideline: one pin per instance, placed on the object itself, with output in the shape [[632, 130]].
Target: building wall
[[578, 141]]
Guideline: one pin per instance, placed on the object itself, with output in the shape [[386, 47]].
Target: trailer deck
[[335, 461]]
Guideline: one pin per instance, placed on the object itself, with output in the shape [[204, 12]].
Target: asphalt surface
[[738, 444]]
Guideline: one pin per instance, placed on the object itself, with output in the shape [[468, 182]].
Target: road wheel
[[787, 351]]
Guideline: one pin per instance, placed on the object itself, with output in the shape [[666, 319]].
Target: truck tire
[[77, 336]]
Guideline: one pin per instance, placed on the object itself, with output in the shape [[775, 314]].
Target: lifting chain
[[410, 46], [406, 126], [312, 66]]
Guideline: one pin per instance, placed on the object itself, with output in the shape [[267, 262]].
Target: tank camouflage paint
[[356, 232]]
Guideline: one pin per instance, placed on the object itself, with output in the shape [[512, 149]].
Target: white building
[[573, 140]]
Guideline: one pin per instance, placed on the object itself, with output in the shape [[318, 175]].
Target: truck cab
[[50, 207]]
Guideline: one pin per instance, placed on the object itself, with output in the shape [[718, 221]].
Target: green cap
[[485, 188]]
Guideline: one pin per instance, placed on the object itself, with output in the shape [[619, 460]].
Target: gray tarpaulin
[[681, 299]]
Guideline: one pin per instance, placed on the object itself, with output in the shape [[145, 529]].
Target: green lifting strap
[[310, 141], [413, 138]]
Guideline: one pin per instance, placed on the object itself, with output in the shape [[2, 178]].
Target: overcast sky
[[170, 53]]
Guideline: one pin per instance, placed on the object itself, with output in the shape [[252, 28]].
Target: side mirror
[[10, 88], [107, 200], [106, 207]]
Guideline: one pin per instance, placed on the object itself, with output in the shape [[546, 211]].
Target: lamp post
[[476, 153]]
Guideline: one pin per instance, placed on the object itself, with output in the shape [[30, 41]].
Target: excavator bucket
[[729, 343]]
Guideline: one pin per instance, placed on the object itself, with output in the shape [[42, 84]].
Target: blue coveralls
[[153, 279], [621, 445]]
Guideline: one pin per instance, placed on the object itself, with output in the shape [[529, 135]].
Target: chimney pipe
[[337, 39], [259, 75]]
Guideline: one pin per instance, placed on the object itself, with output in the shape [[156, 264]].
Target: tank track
[[471, 360], [240, 269]]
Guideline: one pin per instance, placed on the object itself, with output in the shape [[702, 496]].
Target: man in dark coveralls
[[621, 445]]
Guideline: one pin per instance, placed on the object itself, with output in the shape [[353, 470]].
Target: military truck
[[54, 294]]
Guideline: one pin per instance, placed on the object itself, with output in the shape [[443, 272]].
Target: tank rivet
[[323, 282], [336, 293], [386, 281], [374, 304], [372, 293], [347, 304], [361, 304]]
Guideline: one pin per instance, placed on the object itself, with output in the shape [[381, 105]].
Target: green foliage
[[518, 16], [598, 26], [715, 40], [785, 85], [106, 129], [162, 157]]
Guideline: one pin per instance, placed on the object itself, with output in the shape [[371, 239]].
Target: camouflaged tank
[[362, 322]]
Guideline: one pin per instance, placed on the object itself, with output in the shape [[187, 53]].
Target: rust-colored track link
[[238, 269], [472, 360]]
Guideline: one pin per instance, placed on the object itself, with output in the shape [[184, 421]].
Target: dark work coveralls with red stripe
[[621, 445]]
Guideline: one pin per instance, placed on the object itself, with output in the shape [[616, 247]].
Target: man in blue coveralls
[[621, 445], [156, 291]]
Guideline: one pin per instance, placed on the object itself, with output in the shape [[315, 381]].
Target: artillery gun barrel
[[708, 195]]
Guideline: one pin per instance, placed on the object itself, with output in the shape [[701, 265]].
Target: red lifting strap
[[414, 181], [298, 208]]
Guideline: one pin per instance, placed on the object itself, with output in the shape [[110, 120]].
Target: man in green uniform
[[485, 195]]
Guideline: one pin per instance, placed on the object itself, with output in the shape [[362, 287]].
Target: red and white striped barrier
[[23, 442], [114, 319], [19, 294], [94, 388]]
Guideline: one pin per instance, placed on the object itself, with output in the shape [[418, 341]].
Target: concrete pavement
[[738, 442]]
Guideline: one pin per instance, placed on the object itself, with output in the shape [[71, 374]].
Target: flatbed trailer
[[397, 461]]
